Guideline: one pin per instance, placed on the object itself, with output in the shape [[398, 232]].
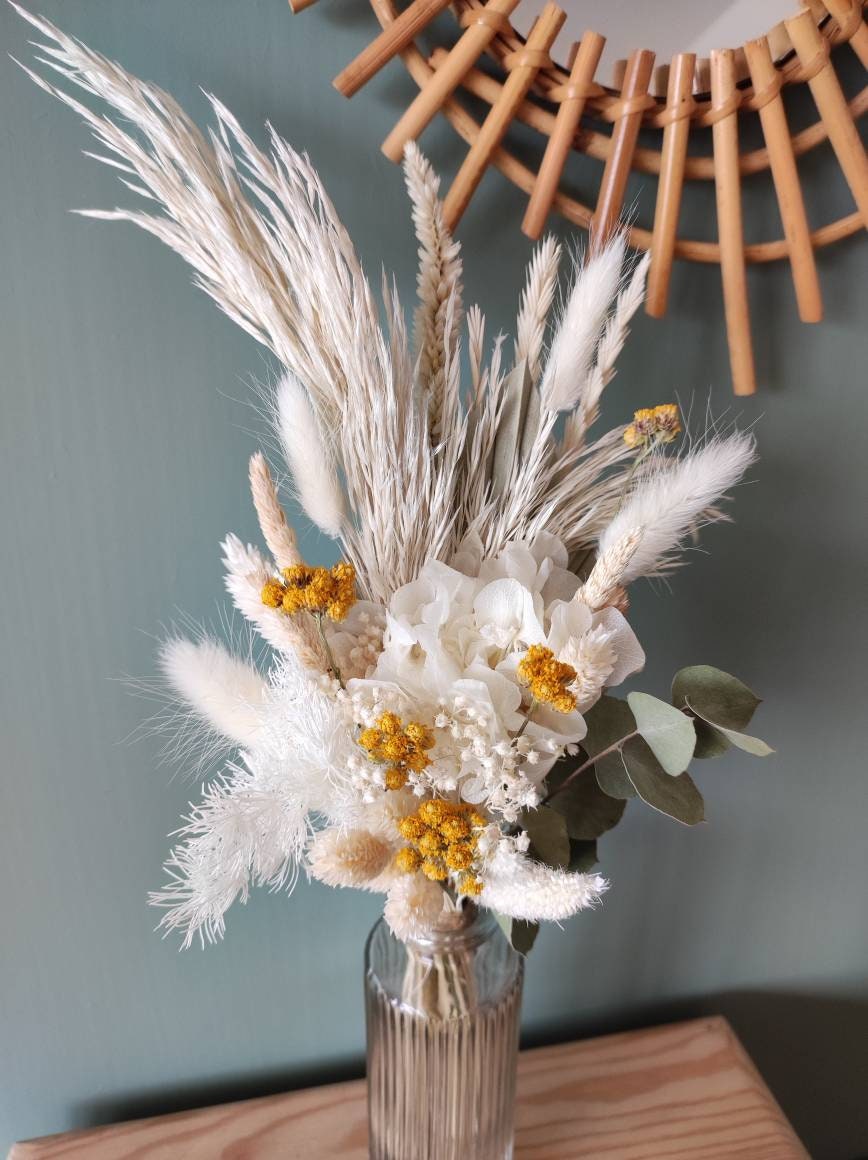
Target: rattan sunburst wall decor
[[569, 108]]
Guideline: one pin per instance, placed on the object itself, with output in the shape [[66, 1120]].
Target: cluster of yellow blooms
[[548, 678], [402, 746], [654, 425], [328, 591], [443, 839]]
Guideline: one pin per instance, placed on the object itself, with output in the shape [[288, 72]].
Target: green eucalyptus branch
[[615, 747]]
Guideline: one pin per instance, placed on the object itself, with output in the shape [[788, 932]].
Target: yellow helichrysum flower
[[548, 678], [443, 838], [660, 424], [325, 591], [402, 747]]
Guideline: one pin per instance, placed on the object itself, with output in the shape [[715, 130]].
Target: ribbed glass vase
[[443, 1019]]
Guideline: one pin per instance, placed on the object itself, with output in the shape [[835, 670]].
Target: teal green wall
[[125, 435]]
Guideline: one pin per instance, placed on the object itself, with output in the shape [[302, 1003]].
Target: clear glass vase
[[442, 1016]]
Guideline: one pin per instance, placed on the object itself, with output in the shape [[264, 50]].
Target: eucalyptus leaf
[[676, 796], [521, 934], [608, 721], [716, 696], [547, 830], [710, 742], [516, 391], [670, 733], [753, 745], [583, 857], [589, 812], [612, 777]]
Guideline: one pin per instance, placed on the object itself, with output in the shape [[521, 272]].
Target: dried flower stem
[[615, 747]]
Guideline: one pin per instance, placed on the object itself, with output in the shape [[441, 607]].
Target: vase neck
[[457, 928]]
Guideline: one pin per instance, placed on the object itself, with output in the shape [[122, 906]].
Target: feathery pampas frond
[[575, 342], [224, 691], [277, 533], [674, 499], [310, 461], [536, 303], [246, 831], [438, 315]]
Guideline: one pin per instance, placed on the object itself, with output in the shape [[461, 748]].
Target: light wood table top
[[685, 1091]]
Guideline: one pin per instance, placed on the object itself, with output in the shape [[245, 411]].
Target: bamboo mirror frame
[[567, 106]]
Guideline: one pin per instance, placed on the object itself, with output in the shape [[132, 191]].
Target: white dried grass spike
[[277, 533], [310, 460], [223, 690], [578, 333]]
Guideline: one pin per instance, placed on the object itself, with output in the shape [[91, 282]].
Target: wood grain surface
[[687, 1090]]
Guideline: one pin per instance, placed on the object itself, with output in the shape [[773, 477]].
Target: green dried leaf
[[710, 742], [608, 721], [670, 733], [521, 934], [547, 830], [530, 426], [753, 745], [516, 391], [589, 812], [676, 796], [612, 777], [583, 857], [716, 696]]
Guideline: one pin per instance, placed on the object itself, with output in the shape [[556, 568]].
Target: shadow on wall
[[186, 1097], [812, 1050]]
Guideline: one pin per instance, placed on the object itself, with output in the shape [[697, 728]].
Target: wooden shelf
[[687, 1090]]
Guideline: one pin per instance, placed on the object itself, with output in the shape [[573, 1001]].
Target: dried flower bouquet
[[437, 722]]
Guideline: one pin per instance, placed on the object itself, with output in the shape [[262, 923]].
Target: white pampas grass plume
[[612, 342], [310, 461], [521, 888], [356, 858], [224, 691], [438, 315], [676, 498], [609, 570], [575, 343], [535, 304], [277, 533], [413, 905], [246, 573]]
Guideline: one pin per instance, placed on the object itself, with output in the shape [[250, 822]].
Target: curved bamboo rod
[[597, 145], [847, 26]]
